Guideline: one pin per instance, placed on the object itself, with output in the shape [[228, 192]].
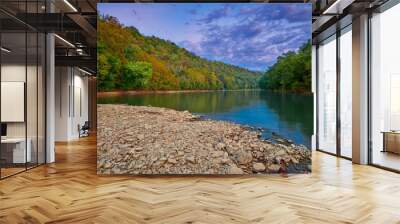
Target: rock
[[172, 160], [108, 165], [280, 153], [225, 161], [216, 154], [233, 169], [190, 159], [220, 146], [244, 157], [258, 167], [273, 167], [153, 140], [216, 161]]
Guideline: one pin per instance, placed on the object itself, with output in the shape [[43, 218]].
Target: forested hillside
[[291, 72], [128, 60]]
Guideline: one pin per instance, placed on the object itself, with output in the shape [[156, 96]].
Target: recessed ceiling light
[[70, 5], [64, 40], [86, 72], [5, 50]]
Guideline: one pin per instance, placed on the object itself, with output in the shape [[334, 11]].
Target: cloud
[[253, 36], [192, 11], [216, 14], [250, 35]]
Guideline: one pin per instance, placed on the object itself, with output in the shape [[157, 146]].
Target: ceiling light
[[5, 50], [86, 72], [338, 6], [70, 5], [64, 40]]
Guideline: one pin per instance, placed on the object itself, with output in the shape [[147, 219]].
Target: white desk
[[19, 155]]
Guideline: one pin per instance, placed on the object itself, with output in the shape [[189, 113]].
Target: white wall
[[71, 87]]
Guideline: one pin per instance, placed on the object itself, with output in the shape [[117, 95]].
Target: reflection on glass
[[346, 92], [385, 89], [327, 95]]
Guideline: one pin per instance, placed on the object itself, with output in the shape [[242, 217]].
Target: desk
[[391, 141], [15, 148]]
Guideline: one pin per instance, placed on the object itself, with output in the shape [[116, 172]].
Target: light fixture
[[70, 5], [86, 72], [64, 40], [5, 50], [337, 7]]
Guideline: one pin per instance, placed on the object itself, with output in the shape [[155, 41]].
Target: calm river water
[[278, 114]]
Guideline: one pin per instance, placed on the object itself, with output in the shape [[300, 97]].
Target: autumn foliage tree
[[128, 60]]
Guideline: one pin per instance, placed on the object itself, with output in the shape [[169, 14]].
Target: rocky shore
[[151, 140]]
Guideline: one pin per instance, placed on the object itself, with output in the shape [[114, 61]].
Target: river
[[279, 115]]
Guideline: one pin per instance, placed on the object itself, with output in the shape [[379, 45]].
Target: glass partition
[[22, 101], [385, 89], [41, 96], [13, 94], [31, 98], [327, 95]]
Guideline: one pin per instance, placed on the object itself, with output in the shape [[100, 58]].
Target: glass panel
[[346, 92], [385, 89], [327, 95], [41, 98], [31, 98], [13, 79]]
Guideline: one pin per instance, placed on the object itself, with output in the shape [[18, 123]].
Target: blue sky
[[250, 35]]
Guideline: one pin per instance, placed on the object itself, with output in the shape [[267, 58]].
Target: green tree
[[291, 72], [136, 75]]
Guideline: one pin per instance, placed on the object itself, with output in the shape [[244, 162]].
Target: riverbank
[[152, 140], [143, 92]]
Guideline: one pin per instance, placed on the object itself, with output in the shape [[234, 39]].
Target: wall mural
[[204, 88]]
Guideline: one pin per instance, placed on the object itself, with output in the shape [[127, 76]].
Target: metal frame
[[389, 4], [44, 74], [338, 75], [337, 34]]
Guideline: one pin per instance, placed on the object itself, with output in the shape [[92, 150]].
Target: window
[[327, 95], [346, 92], [385, 89]]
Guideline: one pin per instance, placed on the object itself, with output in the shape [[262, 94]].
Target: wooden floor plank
[[70, 191]]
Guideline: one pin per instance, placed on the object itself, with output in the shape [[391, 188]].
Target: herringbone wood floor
[[69, 191]]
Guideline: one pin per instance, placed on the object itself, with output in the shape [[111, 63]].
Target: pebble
[[152, 140]]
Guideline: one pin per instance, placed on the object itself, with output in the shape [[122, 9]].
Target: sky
[[249, 35]]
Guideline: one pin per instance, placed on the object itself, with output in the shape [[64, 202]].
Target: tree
[[120, 49], [291, 72], [136, 75]]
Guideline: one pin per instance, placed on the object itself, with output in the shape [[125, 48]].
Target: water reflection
[[289, 115]]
